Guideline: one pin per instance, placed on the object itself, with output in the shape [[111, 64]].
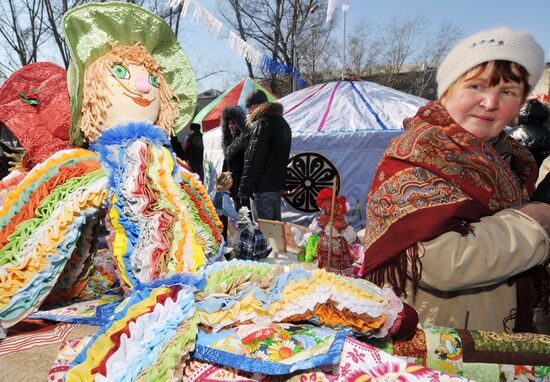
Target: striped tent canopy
[[341, 125], [347, 107], [209, 117]]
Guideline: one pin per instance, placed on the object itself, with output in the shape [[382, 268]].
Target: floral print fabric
[[516, 342], [361, 361], [479, 355], [271, 349]]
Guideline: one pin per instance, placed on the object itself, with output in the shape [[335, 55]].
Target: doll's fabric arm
[[314, 226], [349, 234]]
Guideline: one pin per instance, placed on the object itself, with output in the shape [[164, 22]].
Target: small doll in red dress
[[341, 259]]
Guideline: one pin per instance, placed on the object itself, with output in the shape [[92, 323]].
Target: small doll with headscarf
[[339, 240]]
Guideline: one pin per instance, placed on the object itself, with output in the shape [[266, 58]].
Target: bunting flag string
[[245, 50], [212, 23], [173, 4], [242, 48]]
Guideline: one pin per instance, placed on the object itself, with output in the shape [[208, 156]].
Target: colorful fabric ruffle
[[161, 219], [243, 291], [154, 329], [148, 339], [41, 225], [79, 267]]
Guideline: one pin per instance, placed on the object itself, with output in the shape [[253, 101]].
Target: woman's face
[[481, 109], [232, 126], [134, 94]]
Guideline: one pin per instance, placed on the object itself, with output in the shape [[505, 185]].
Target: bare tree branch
[[279, 29], [211, 74], [22, 29]]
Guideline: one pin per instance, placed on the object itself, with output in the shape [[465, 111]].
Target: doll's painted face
[[133, 93], [125, 85]]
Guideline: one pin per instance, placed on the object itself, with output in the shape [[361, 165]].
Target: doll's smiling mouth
[[143, 102]]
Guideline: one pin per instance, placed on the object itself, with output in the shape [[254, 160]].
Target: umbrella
[[209, 117]]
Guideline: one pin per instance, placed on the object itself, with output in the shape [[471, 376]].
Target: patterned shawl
[[434, 178]]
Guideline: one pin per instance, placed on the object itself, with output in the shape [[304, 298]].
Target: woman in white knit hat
[[450, 225]]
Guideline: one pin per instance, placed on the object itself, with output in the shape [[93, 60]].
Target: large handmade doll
[[130, 87], [340, 259], [130, 92]]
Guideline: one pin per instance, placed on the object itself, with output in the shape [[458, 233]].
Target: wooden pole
[[331, 225], [344, 47]]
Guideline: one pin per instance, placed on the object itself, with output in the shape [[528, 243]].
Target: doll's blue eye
[[120, 71], [153, 81]]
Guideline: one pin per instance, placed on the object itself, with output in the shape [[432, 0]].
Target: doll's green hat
[[91, 29]]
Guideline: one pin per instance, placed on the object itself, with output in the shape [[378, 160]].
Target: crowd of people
[[256, 151]]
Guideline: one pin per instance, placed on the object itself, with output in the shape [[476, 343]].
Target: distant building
[[203, 99], [206, 97], [417, 79]]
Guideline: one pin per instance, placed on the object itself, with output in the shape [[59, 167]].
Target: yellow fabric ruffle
[[185, 223], [40, 170], [14, 277], [102, 345], [119, 242]]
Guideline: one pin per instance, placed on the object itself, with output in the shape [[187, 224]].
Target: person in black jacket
[[530, 131], [177, 147], [194, 150], [266, 155], [233, 144]]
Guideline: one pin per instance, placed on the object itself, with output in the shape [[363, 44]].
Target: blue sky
[[208, 54]]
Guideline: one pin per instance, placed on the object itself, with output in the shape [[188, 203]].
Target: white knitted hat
[[493, 44]]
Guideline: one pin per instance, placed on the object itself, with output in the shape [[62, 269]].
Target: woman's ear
[[443, 99]]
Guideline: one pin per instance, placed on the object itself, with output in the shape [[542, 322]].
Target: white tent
[[341, 127]]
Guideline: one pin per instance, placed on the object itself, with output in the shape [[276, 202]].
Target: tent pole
[[331, 222], [344, 46]]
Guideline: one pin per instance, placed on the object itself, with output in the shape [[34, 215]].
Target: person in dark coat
[[266, 155], [233, 144], [530, 131], [194, 150], [177, 147]]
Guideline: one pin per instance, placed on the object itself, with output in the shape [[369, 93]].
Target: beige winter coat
[[463, 283]]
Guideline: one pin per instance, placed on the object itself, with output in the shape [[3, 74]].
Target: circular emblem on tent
[[306, 175]]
